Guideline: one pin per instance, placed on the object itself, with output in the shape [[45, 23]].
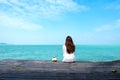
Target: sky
[[88, 22]]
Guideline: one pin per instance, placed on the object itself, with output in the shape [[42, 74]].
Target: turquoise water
[[46, 52]]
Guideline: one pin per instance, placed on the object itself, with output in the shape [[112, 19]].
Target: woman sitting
[[68, 50]]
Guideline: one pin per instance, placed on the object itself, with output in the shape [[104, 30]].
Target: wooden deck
[[47, 70]]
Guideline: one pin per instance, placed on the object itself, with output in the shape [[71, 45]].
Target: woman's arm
[[64, 50]]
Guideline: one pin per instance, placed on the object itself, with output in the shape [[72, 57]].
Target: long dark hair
[[69, 45]]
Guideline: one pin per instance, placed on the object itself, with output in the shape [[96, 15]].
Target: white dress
[[66, 56]]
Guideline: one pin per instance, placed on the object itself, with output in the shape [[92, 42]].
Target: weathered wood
[[47, 70]]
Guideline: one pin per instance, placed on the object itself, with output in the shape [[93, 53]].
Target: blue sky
[[89, 22]]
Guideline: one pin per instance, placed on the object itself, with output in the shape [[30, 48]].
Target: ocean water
[[46, 52]]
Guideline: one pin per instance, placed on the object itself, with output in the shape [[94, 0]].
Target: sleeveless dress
[[66, 56]]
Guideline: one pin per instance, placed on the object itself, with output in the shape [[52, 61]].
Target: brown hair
[[69, 45]]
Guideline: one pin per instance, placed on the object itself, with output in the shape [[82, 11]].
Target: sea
[[92, 53]]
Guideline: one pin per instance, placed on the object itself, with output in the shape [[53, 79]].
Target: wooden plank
[[47, 70]]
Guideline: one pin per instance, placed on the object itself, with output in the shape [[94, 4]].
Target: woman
[[68, 50]]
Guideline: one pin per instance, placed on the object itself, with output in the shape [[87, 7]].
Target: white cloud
[[66, 4], [43, 7], [36, 9], [4, 1], [8, 21], [107, 27]]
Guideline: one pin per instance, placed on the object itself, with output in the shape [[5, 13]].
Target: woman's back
[[68, 50]]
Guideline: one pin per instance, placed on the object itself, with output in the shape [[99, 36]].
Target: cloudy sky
[[50, 21]]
